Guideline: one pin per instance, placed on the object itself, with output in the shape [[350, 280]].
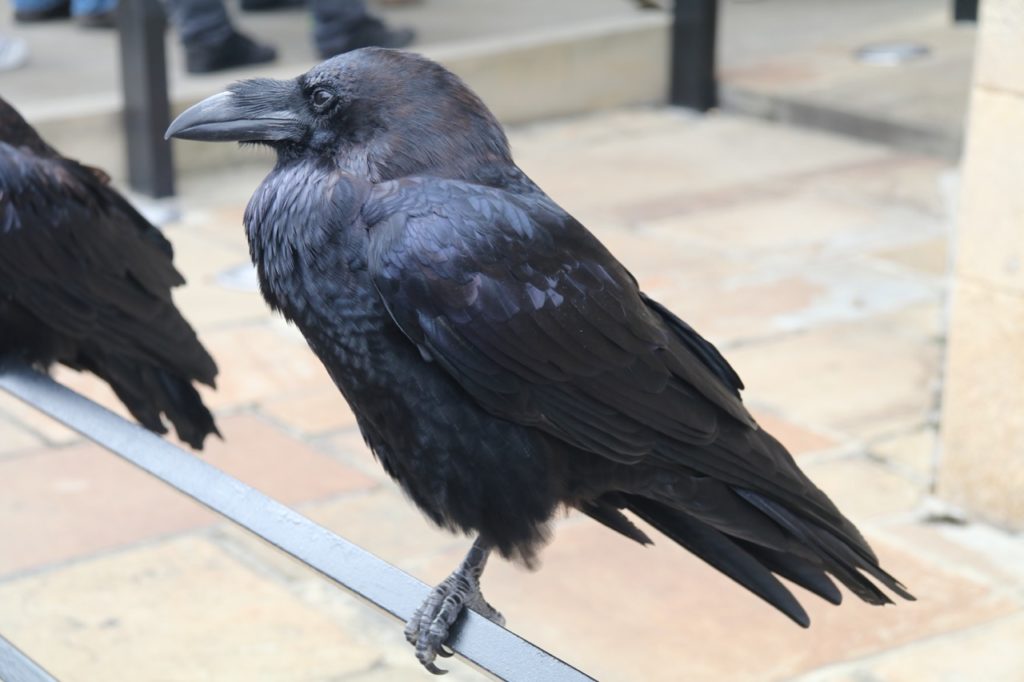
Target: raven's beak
[[233, 117]]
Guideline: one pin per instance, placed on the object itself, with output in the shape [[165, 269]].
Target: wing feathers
[[540, 325], [91, 280]]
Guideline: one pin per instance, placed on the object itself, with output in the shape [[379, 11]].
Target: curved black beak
[[233, 116]]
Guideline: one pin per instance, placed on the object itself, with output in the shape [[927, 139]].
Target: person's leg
[[211, 42], [95, 13], [27, 11], [334, 21], [200, 23], [343, 25], [270, 5]]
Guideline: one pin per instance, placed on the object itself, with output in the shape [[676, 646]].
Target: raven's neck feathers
[[301, 212]]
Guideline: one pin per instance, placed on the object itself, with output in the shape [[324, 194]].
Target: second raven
[[86, 281], [501, 363]]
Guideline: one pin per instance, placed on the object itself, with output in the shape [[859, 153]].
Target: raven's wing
[[76, 256], [537, 321]]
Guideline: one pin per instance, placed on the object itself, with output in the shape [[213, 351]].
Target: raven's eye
[[321, 97]]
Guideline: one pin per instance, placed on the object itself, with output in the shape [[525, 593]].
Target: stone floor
[[795, 61], [784, 59], [818, 264]]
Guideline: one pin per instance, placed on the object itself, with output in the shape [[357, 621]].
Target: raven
[[86, 281], [501, 363]]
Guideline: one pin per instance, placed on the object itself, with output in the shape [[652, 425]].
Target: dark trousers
[[204, 23]]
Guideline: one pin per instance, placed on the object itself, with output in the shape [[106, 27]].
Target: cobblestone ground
[[818, 264]]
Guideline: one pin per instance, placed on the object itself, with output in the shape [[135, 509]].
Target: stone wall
[[982, 464]]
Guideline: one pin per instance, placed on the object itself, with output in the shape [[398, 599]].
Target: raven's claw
[[429, 627]]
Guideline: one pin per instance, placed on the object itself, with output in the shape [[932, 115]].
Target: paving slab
[[975, 550], [203, 261], [855, 378], [180, 610], [864, 489], [16, 437], [71, 502], [931, 257], [311, 412], [371, 630], [912, 453], [656, 171], [23, 418], [258, 362], [800, 440], [795, 61], [991, 652]]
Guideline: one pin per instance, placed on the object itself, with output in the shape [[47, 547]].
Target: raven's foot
[[428, 628]]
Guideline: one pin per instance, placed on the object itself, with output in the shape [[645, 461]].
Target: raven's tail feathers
[[755, 566], [725, 554], [846, 561], [149, 391], [185, 409], [606, 511]]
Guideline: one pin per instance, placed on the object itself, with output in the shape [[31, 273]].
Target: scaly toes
[[412, 628], [430, 625], [428, 628], [432, 635], [424, 615]]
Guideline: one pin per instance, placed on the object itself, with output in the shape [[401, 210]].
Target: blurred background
[[841, 214]]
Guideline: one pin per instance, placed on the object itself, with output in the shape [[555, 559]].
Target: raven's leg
[[428, 628]]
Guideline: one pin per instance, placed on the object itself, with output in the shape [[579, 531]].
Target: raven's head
[[378, 113]]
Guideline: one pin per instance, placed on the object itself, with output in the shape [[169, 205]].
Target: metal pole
[[965, 10], [693, 54], [483, 643], [15, 666], [146, 107]]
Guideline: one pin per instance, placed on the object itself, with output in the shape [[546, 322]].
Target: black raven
[[85, 280], [500, 361]]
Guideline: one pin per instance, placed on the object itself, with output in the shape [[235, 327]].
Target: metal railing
[[965, 10], [15, 666], [692, 74], [147, 113], [486, 645]]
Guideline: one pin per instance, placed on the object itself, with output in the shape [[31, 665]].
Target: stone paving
[[795, 61], [818, 264]]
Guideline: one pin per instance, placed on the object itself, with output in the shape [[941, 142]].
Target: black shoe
[[238, 50], [106, 19], [373, 33], [270, 5], [29, 16]]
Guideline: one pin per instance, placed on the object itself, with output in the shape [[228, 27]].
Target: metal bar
[[146, 107], [965, 10], [693, 54], [481, 642], [15, 666]]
